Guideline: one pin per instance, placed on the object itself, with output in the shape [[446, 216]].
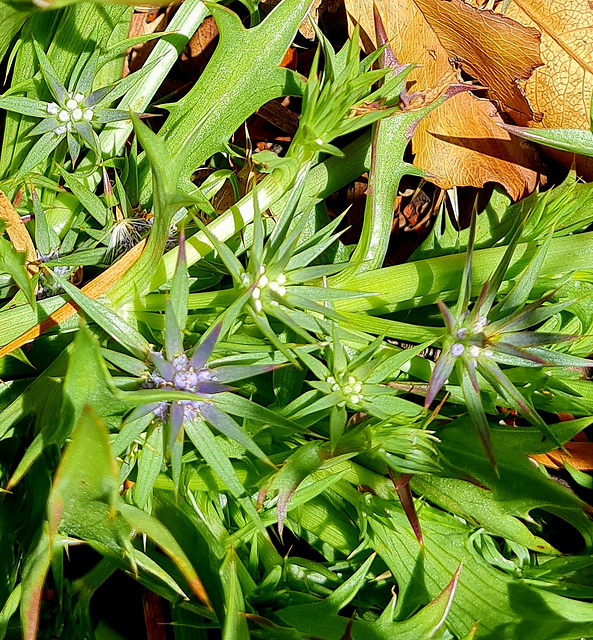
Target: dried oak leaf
[[562, 88], [459, 143], [578, 454]]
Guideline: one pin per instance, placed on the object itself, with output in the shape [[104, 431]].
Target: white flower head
[[457, 349], [474, 351]]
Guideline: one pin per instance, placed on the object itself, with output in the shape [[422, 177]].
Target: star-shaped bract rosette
[[178, 389], [482, 336], [73, 114]]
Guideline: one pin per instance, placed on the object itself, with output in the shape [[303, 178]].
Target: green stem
[[269, 191], [422, 282], [388, 168]]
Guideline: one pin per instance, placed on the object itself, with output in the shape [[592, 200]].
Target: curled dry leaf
[[562, 88], [578, 454], [496, 50], [459, 143]]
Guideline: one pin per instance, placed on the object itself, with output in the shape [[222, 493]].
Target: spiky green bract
[[341, 99], [178, 392], [478, 338], [73, 115], [321, 619], [404, 446], [279, 287], [352, 380]]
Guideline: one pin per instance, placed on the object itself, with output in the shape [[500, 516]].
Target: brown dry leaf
[[579, 455], [144, 22], [18, 234], [561, 89], [497, 51], [200, 48], [459, 143]]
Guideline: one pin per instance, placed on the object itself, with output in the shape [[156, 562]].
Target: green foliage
[[572, 140], [480, 338], [232, 391]]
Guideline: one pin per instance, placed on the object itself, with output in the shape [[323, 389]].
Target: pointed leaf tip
[[204, 349], [181, 254], [404, 493], [439, 377], [388, 57]]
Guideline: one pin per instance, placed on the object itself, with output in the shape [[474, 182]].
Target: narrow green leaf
[[206, 444], [107, 319], [26, 106], [476, 411], [519, 294], [180, 285], [225, 424], [92, 203], [572, 140], [35, 571], [55, 86], [13, 263], [239, 406], [38, 153], [150, 464]]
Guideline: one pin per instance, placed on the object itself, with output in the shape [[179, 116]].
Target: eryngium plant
[[352, 380], [403, 446], [72, 115], [482, 336], [178, 388]]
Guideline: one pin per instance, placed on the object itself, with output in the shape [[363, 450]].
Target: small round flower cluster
[[73, 111], [350, 387], [458, 348], [182, 377], [48, 287], [264, 284]]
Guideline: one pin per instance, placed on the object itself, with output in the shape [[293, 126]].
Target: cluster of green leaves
[[236, 392]]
